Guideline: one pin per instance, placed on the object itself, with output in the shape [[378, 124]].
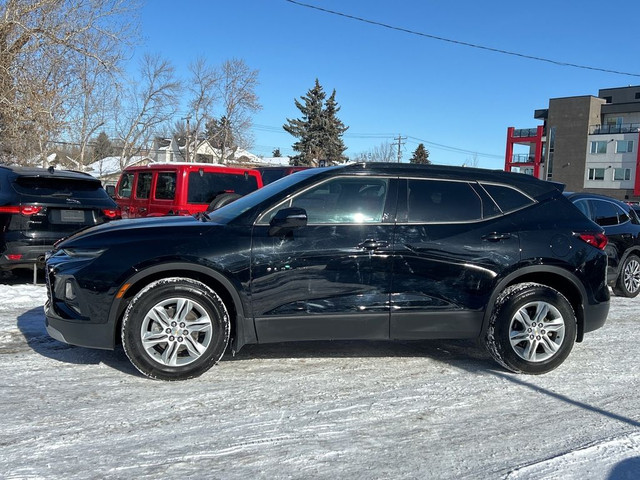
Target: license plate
[[72, 216]]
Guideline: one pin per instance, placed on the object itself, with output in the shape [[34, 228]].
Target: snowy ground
[[364, 410]]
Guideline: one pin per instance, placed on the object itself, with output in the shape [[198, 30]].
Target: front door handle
[[373, 244], [496, 237]]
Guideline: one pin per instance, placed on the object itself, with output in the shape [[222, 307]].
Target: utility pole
[[186, 146], [400, 139]]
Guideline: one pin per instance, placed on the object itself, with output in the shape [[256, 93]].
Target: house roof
[[111, 165]]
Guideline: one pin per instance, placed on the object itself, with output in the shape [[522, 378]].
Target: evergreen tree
[[421, 156], [334, 146], [102, 147], [276, 153], [220, 134], [318, 131]]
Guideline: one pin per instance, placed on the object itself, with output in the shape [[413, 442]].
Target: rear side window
[[432, 201], [204, 186], [143, 187], [606, 213], [507, 198], [59, 187], [166, 186]]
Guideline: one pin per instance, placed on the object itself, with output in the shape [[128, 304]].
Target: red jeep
[[181, 188]]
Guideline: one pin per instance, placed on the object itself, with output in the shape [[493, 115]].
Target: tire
[[530, 315], [222, 200], [175, 329], [628, 282]]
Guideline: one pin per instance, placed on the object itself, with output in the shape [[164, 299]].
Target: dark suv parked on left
[[39, 207]]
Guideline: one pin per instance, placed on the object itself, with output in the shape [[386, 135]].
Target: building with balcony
[[588, 143]]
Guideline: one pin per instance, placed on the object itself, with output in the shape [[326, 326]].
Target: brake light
[[14, 256], [598, 240], [112, 213], [26, 210]]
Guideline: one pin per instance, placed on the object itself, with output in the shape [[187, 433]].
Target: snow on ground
[[327, 410]]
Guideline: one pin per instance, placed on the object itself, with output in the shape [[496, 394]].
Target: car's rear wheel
[[175, 329], [628, 282], [532, 329]]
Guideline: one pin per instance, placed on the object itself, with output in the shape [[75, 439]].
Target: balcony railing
[[525, 132], [608, 129], [523, 158]]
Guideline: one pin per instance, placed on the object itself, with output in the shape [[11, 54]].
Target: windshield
[[233, 210]]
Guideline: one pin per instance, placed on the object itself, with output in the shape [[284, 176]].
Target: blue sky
[[455, 99]]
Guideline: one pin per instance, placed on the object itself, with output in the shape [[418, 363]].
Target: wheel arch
[[242, 329], [555, 277]]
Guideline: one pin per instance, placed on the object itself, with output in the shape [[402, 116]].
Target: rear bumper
[[595, 316], [29, 255]]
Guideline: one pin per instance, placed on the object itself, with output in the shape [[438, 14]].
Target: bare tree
[[148, 105], [382, 153], [202, 86], [239, 100], [43, 47]]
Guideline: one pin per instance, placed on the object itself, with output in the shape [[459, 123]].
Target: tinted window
[[345, 200], [126, 182], [341, 200], [59, 187], [166, 186], [204, 186], [143, 187], [269, 176], [508, 199], [440, 201], [604, 213]]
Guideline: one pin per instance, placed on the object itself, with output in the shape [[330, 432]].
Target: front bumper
[[77, 315]]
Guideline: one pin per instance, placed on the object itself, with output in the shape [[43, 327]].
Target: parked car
[[181, 188], [622, 227], [39, 207], [360, 251], [271, 174]]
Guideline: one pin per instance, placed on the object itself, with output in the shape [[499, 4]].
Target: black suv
[[39, 207], [361, 251], [622, 227]]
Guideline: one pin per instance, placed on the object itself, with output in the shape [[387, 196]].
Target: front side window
[[126, 183], [340, 200], [598, 147], [624, 146], [143, 187], [621, 173], [596, 174], [435, 201]]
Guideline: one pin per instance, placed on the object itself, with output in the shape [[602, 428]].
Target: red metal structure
[[528, 136]]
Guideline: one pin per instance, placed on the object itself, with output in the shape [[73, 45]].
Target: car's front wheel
[[532, 329], [175, 329], [628, 282]]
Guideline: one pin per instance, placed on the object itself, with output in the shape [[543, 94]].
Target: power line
[[459, 42]]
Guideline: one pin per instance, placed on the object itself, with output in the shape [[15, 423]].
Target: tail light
[[598, 240], [112, 213], [26, 210]]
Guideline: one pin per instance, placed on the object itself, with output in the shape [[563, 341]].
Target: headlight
[[83, 252]]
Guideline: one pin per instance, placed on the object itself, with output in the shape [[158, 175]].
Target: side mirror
[[286, 220]]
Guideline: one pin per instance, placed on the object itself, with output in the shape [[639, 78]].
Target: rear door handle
[[496, 237], [373, 244]]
